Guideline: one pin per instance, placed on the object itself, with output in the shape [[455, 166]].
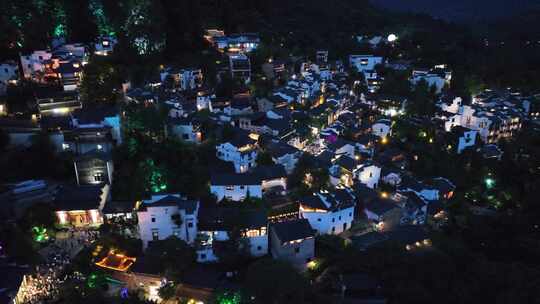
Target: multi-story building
[[328, 212], [166, 215], [216, 225], [241, 151]]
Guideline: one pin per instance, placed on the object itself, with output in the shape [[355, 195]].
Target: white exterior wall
[[288, 161], [372, 216], [454, 107], [323, 222], [204, 102], [32, 63], [185, 133], [466, 118], [382, 130], [369, 176], [468, 140], [164, 225], [347, 150], [364, 62], [256, 242], [242, 161], [432, 80], [236, 192], [277, 182]]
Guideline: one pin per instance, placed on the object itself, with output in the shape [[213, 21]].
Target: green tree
[[422, 101], [264, 159], [172, 256], [274, 281], [4, 140], [101, 81]]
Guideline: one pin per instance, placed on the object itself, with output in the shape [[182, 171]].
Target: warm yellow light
[[384, 195], [384, 140], [312, 265]]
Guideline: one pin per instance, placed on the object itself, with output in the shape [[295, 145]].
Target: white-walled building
[[492, 121], [284, 154], [382, 128], [240, 67], [364, 62], [183, 129], [438, 76], [215, 225], [328, 213], [241, 151], [104, 46], [293, 241], [166, 215], [368, 174], [183, 79], [34, 63], [462, 138], [235, 187], [9, 73]]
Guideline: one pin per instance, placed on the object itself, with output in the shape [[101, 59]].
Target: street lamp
[[490, 182]]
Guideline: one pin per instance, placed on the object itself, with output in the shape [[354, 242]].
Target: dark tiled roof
[[380, 206], [269, 172], [293, 230], [171, 200], [279, 149], [442, 184], [225, 219], [230, 179], [78, 198], [112, 207], [346, 162], [313, 201]]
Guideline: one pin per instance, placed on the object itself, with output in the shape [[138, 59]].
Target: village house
[[241, 150], [328, 212], [182, 79], [235, 187], [293, 241], [382, 128], [283, 154], [93, 167], [81, 206], [9, 74], [166, 215], [57, 103], [240, 67], [104, 46], [439, 76], [364, 62], [216, 225]]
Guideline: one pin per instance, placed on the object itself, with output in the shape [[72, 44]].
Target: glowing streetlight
[[490, 182], [392, 38]]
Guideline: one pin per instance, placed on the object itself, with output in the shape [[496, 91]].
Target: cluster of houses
[[315, 114]]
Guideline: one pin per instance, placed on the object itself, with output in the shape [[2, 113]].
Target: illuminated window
[[253, 233], [99, 147], [229, 188], [99, 177], [155, 235]]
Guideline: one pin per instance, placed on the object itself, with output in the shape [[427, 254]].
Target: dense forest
[[172, 30]]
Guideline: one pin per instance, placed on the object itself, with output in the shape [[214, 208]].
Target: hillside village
[[173, 188]]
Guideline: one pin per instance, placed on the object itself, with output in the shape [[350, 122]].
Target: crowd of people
[[43, 285]]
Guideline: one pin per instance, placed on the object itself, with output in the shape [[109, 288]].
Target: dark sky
[[462, 10]]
